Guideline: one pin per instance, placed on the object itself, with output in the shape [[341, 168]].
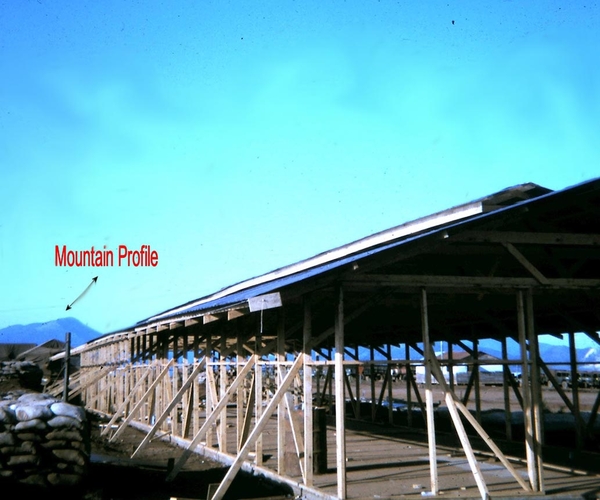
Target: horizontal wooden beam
[[473, 282], [528, 238]]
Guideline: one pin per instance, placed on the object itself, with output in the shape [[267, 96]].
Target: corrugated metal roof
[[239, 293]]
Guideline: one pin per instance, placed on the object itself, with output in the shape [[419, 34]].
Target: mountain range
[[38, 333]]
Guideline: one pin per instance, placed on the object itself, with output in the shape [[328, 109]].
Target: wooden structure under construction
[[276, 351]]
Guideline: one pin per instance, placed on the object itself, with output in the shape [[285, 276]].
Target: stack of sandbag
[[43, 441], [27, 373]]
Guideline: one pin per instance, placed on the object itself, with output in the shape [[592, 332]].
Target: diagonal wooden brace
[[170, 407], [212, 418]]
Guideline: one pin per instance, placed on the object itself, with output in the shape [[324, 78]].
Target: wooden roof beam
[[236, 313], [209, 318], [474, 282], [528, 238]]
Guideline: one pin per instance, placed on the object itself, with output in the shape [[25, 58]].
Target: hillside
[[38, 333]]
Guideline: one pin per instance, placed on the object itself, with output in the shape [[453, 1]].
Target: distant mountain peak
[[38, 333]]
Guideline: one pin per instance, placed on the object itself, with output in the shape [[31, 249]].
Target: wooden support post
[[536, 391], [308, 393], [429, 394], [222, 390], [258, 429], [239, 397], [330, 381], [506, 392], [408, 373], [372, 377], [477, 381], [451, 366], [318, 383], [281, 424], [208, 407], [340, 399], [258, 388], [67, 366], [575, 390], [526, 393], [390, 388], [357, 381]]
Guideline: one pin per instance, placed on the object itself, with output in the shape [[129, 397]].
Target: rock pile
[[43, 441]]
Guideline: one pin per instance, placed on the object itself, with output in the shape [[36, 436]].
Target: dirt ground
[[115, 476], [491, 397]]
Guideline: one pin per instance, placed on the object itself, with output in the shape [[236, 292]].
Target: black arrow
[[82, 293]]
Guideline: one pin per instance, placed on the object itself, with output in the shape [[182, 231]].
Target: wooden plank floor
[[392, 462]]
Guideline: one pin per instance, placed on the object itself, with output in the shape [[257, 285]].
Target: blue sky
[[238, 137]]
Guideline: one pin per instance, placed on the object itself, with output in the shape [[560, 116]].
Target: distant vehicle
[[519, 379], [585, 380], [485, 378], [562, 377], [379, 372]]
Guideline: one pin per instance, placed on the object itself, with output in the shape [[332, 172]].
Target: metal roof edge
[[371, 241]]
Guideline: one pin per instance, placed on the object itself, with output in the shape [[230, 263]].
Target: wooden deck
[[393, 462]]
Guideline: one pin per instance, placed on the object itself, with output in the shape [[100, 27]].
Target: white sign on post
[[267, 301]]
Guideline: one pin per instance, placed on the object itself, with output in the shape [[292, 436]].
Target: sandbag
[[68, 410]]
